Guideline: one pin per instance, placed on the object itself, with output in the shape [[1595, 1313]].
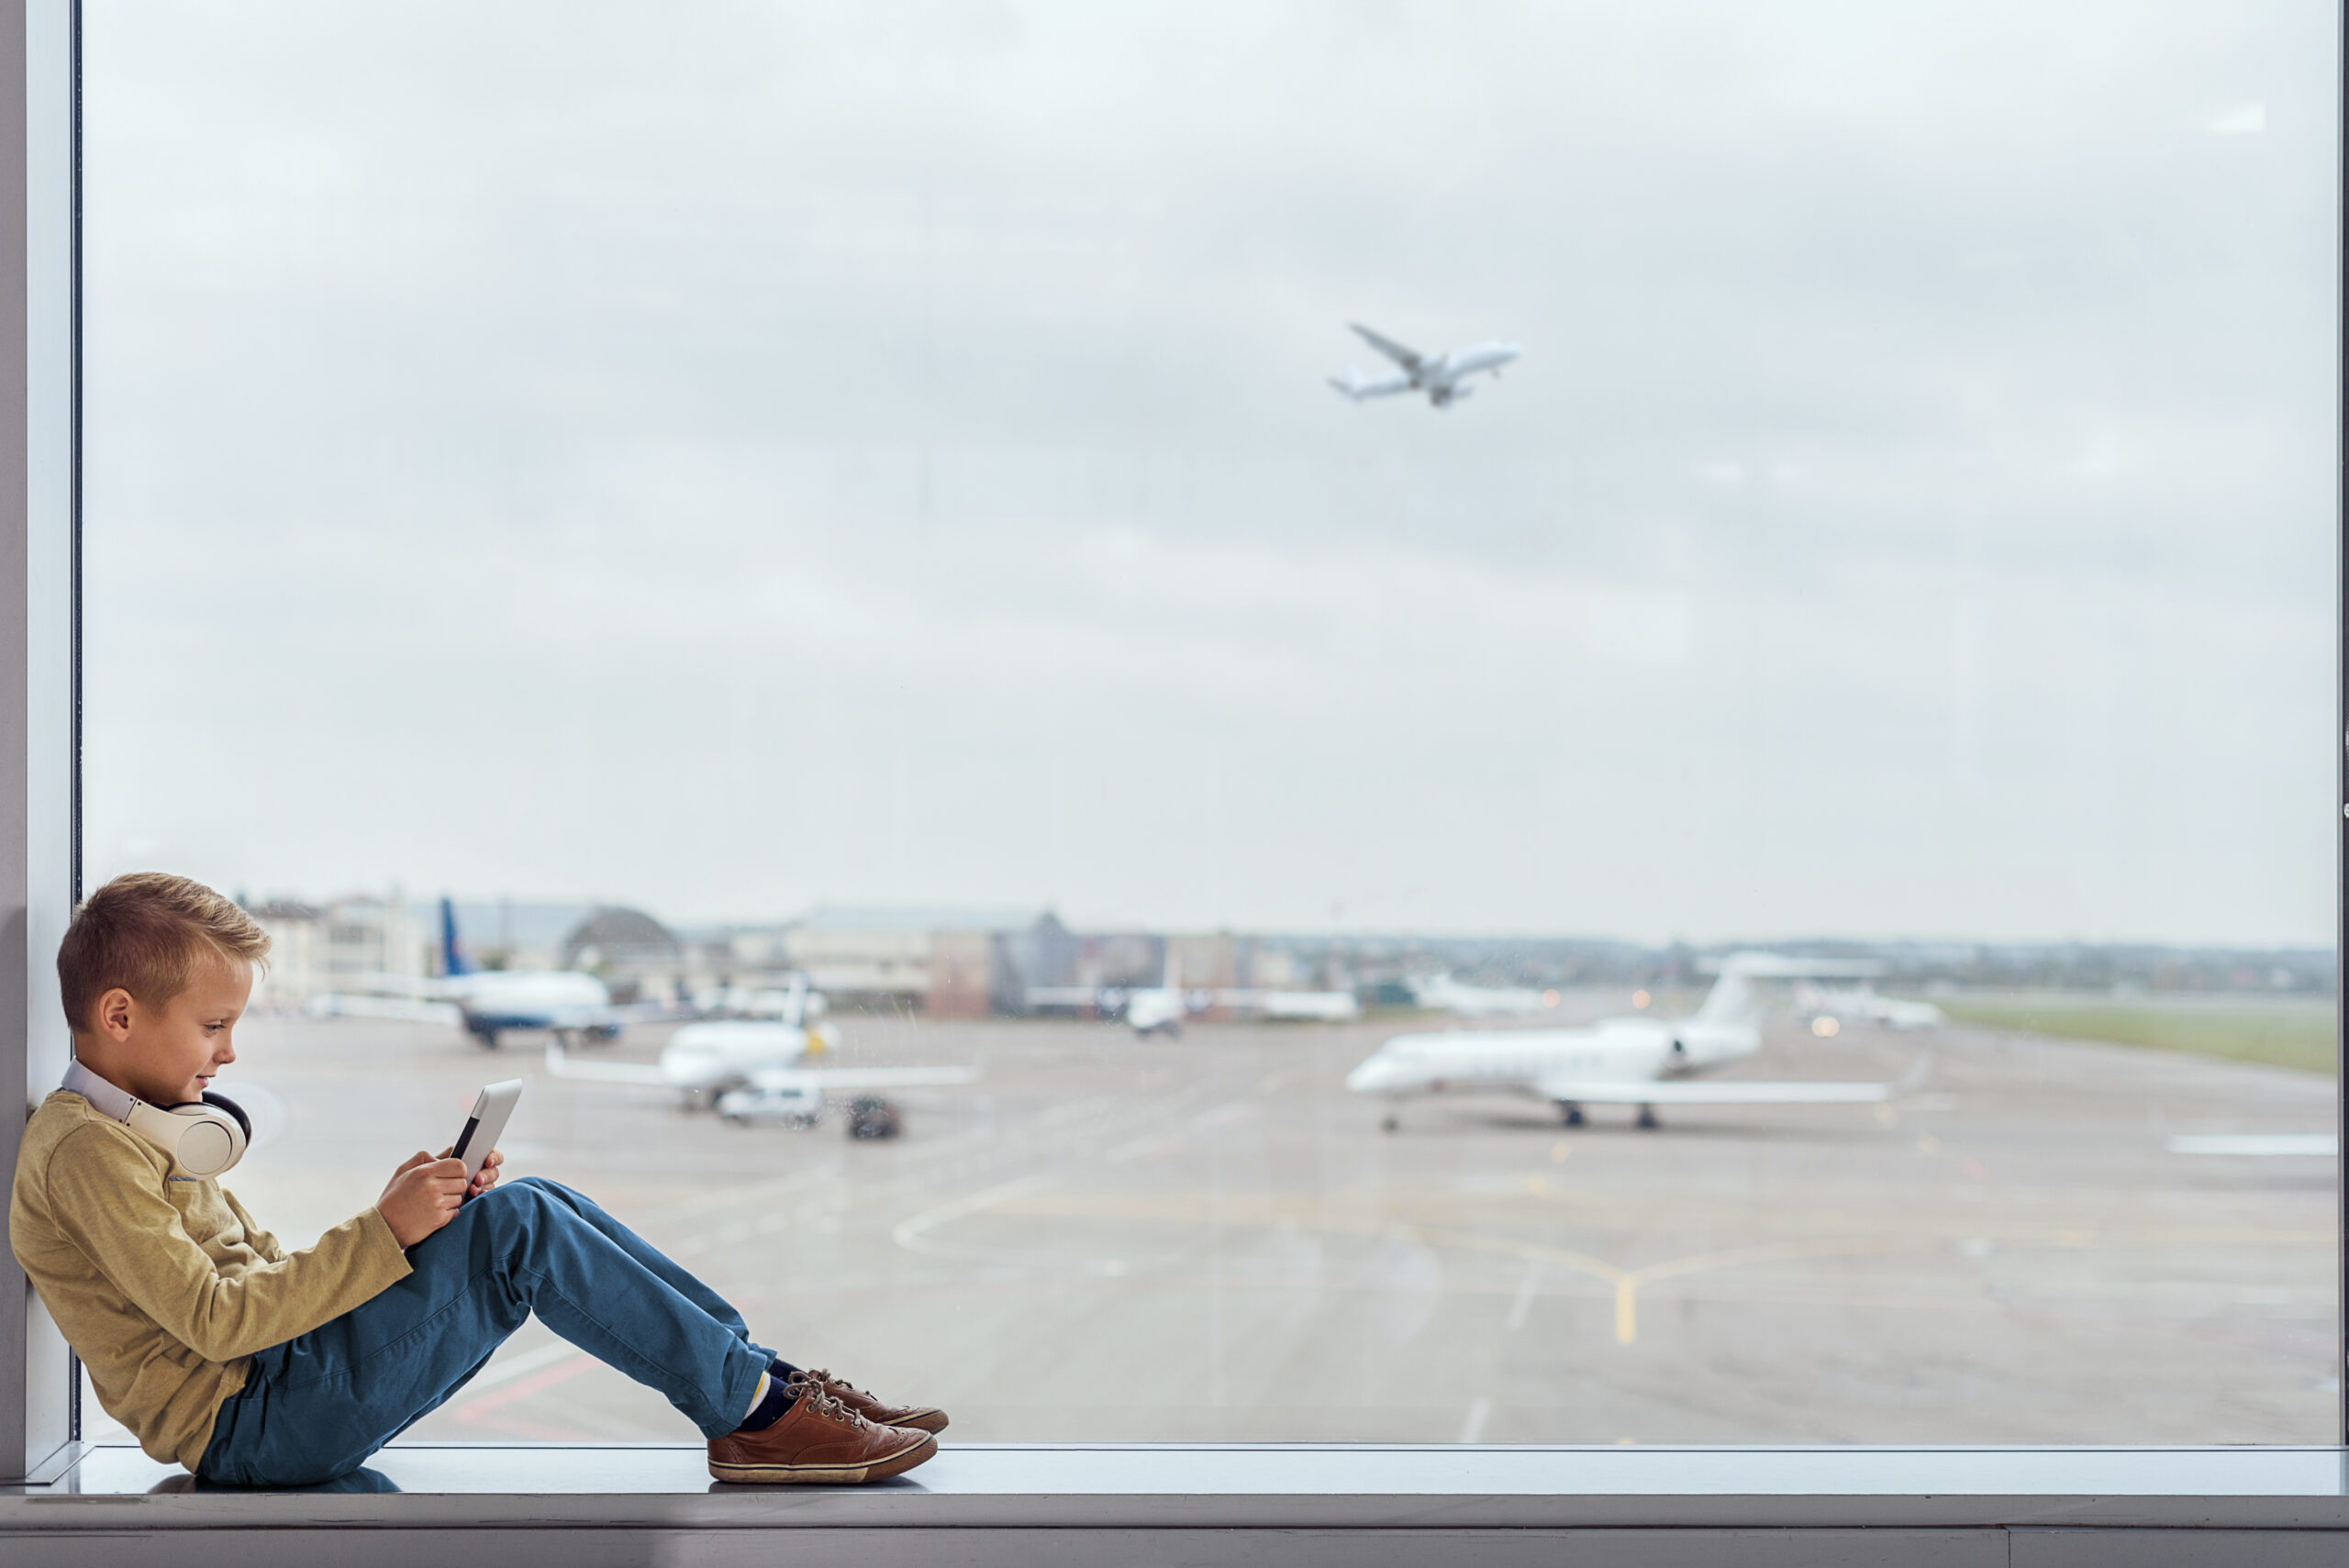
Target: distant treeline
[[1907, 966]]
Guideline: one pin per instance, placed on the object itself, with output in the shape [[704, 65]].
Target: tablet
[[486, 1125]]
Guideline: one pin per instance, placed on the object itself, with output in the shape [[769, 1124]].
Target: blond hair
[[144, 932]]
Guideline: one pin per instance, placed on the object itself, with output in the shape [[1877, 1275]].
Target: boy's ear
[[114, 1015]]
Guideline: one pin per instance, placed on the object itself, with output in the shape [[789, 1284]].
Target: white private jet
[[1859, 1004], [746, 1069], [1441, 376], [1442, 992], [1161, 1008], [1642, 1062]]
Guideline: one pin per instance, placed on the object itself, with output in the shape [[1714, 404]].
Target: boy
[[256, 1367]]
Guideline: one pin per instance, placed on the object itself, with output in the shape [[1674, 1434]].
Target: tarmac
[[1208, 1239]]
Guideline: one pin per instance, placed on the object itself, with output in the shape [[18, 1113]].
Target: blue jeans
[[315, 1406]]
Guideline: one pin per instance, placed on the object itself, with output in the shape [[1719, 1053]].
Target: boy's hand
[[484, 1178], [422, 1197]]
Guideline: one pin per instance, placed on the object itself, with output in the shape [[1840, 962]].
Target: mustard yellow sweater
[[162, 1281]]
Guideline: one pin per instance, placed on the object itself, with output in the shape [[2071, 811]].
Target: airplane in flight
[[758, 1070], [1859, 1004], [1642, 1062], [1441, 992], [1443, 377], [1161, 1008], [485, 1003]]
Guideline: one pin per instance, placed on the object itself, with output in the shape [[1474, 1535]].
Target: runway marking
[[1269, 1210], [1524, 1305], [1370, 1213], [912, 1233], [484, 1412], [1480, 1410], [1143, 1147], [1627, 1282]]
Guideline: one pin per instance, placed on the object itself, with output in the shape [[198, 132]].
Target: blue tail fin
[[453, 957]]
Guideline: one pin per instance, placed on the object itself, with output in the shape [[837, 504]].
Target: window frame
[[40, 679]]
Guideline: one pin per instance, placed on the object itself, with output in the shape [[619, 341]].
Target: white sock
[[756, 1395]]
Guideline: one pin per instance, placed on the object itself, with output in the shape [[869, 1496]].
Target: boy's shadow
[[893, 1483], [359, 1479]]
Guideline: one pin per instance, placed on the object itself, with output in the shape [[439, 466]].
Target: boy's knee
[[507, 1203]]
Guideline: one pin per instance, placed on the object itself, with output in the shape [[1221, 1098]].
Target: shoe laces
[[821, 1401], [826, 1381]]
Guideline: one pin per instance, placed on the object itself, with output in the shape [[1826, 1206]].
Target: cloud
[[728, 456]]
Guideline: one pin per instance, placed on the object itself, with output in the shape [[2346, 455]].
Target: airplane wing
[[1356, 387], [1330, 1005], [1063, 995], [644, 1074], [827, 1079], [1700, 1092], [2315, 1145], [1407, 358]]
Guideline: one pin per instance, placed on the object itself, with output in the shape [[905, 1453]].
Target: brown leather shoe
[[918, 1417], [819, 1441]]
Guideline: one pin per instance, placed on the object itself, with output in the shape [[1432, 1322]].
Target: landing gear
[[1647, 1122], [1390, 1123], [485, 1039], [1570, 1113]]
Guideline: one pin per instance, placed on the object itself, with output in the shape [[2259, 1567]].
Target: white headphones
[[204, 1136]]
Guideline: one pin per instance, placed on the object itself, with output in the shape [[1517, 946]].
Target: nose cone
[[1370, 1077]]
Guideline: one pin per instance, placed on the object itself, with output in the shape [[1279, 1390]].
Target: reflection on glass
[[1714, 877]]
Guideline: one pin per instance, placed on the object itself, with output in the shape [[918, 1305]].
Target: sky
[[729, 457]]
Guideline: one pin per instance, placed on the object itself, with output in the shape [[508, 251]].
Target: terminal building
[[339, 946], [942, 963]]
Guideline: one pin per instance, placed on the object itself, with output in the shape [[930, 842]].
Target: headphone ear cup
[[223, 1103], [205, 1149], [212, 1141]]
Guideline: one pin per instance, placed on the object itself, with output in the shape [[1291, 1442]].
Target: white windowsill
[[1194, 1486]]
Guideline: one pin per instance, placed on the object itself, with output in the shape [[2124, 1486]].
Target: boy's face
[[167, 1055]]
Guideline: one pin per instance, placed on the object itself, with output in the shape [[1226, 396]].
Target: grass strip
[[2278, 1037]]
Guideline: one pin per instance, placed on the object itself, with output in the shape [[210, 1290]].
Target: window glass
[[1550, 722]]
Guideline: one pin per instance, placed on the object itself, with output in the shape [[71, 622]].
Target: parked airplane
[[483, 1002], [1161, 1008], [1441, 376], [1642, 1062], [1442, 992], [1859, 1004], [745, 1069]]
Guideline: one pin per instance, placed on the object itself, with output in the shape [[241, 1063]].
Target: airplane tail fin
[[452, 954], [1731, 999], [1734, 999]]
